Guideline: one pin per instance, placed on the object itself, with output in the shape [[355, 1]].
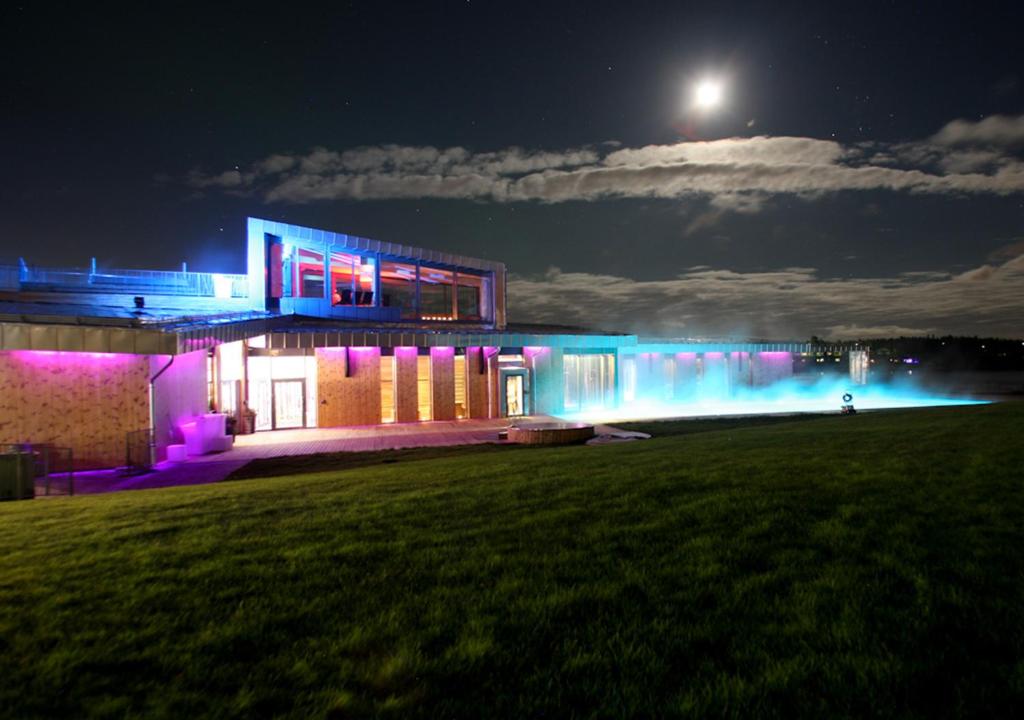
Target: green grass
[[845, 566]]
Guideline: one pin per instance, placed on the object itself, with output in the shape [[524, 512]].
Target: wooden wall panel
[[351, 398], [476, 383], [406, 402], [442, 382], [84, 401]]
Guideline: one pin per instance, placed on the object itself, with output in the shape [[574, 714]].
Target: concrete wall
[[85, 401], [179, 394], [442, 382], [352, 397]]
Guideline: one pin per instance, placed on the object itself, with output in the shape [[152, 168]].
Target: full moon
[[707, 94]]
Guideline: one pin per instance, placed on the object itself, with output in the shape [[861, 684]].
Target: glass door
[[515, 393], [289, 404]]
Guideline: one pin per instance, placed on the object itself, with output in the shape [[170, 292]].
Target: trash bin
[[17, 476], [247, 426]]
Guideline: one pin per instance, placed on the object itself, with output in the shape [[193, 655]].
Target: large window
[[398, 287], [309, 271], [352, 278], [436, 294], [342, 278], [365, 269], [470, 295], [590, 381]]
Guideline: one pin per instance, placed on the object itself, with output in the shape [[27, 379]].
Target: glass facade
[[280, 389], [418, 290], [437, 287], [398, 287], [309, 273], [352, 279], [470, 296], [589, 381]]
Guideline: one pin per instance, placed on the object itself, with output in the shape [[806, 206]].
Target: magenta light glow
[[406, 350], [442, 351], [81, 359]]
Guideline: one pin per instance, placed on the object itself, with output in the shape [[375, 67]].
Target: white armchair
[[206, 434]]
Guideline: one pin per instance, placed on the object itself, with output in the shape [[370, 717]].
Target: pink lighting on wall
[[775, 358], [406, 351], [686, 355], [532, 351], [714, 355], [441, 351], [79, 359]]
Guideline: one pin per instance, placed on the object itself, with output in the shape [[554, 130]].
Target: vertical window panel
[[387, 388], [398, 287], [423, 394], [436, 293]]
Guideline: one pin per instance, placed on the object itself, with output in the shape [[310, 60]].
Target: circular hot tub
[[550, 433]]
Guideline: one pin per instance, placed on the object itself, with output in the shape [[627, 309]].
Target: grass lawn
[[838, 566]]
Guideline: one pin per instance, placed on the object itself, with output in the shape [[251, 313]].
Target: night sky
[[863, 176]]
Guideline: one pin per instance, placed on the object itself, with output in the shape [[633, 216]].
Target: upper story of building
[[317, 273], [291, 271]]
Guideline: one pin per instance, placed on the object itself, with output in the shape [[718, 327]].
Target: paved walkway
[[216, 467], [308, 441]]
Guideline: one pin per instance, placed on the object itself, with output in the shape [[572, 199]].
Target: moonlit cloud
[[995, 130], [735, 174], [791, 302]]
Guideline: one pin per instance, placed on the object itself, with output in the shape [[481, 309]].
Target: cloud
[[995, 130], [733, 174], [789, 302]]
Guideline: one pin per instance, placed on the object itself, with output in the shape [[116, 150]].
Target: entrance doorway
[[282, 389], [515, 395], [289, 404]]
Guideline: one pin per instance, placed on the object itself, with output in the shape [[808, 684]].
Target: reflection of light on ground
[[781, 398]]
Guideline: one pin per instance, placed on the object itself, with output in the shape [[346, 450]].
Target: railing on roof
[[8, 277], [134, 282]]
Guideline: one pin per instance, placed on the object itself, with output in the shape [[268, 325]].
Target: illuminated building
[[324, 329]]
